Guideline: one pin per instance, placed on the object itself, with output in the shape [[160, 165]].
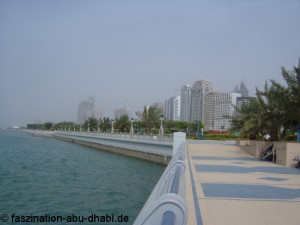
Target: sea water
[[45, 177]]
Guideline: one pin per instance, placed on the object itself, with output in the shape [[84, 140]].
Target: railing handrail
[[175, 184], [166, 138], [169, 191]]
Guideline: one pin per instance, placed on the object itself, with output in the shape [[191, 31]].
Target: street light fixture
[[131, 126], [161, 129], [198, 129], [112, 126]]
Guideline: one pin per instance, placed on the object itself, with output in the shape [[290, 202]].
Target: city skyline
[[55, 54]]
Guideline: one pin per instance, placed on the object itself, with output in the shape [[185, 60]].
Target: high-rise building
[[240, 101], [209, 110], [86, 109], [172, 108], [225, 108], [185, 102], [159, 106], [242, 90], [199, 90], [121, 112]]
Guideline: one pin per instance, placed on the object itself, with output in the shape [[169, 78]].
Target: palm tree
[[105, 124], [123, 123], [149, 117], [276, 110], [249, 120], [292, 96], [91, 123]]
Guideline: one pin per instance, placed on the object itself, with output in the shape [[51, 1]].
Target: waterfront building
[[240, 101], [185, 102], [86, 109], [225, 108], [242, 90], [199, 90], [122, 111], [159, 106], [209, 110], [172, 108]]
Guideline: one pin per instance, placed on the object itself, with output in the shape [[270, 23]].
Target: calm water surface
[[47, 176]]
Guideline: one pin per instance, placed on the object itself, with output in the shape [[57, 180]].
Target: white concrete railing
[[144, 137], [143, 144], [166, 204]]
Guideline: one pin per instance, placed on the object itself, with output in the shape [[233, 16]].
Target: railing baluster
[[168, 218]]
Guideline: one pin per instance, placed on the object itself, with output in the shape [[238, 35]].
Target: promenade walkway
[[226, 186]]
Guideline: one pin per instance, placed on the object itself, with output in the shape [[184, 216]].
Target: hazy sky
[[54, 54]]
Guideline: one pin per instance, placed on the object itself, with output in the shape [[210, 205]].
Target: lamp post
[[98, 127], [80, 129], [88, 127], [131, 127], [74, 127], [198, 130], [161, 129], [112, 127]]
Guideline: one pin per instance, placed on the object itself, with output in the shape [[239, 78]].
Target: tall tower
[[185, 102], [243, 90], [209, 110], [172, 108], [86, 109], [199, 90], [225, 108]]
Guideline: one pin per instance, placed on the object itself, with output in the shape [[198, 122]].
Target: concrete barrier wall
[[286, 152], [154, 151], [255, 148], [166, 205]]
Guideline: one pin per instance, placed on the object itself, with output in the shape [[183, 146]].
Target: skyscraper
[[172, 108], [121, 112], [242, 90], [86, 109], [185, 102], [199, 90], [225, 107], [209, 110]]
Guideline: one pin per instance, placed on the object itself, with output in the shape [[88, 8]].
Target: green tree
[[48, 125], [64, 125], [35, 126], [249, 120], [194, 126], [105, 124], [290, 96], [149, 117], [92, 123], [276, 111], [123, 123], [174, 126]]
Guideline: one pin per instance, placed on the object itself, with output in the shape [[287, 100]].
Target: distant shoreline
[[40, 133]]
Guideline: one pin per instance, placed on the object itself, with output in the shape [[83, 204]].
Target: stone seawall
[[163, 160]]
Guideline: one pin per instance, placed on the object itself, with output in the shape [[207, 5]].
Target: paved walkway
[[226, 186]]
